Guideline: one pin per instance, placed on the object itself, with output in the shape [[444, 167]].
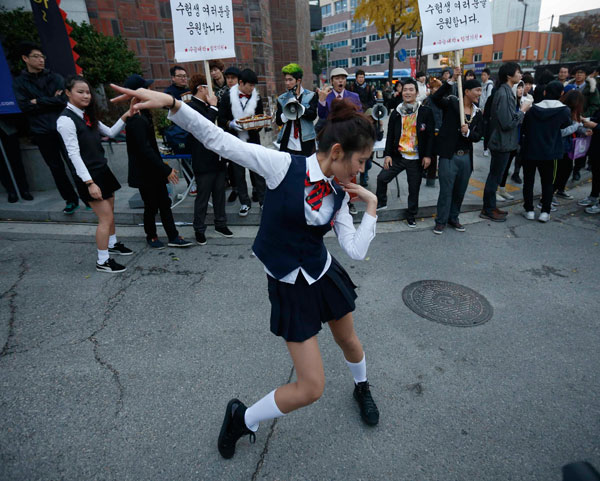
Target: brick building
[[530, 50]]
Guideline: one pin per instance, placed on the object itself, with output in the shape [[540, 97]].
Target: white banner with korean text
[[455, 24], [202, 30]]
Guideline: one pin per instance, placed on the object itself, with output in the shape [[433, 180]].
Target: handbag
[[580, 147]]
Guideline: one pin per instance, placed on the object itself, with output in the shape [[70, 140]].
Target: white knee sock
[[358, 370], [262, 410], [112, 240], [102, 256]]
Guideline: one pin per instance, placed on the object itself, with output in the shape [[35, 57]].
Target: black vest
[[285, 241], [90, 144]]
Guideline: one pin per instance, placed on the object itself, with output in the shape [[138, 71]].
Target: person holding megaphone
[[296, 112]]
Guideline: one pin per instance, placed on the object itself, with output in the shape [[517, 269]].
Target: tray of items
[[255, 122]]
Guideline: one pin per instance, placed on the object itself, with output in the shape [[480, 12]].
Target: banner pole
[[10, 172], [208, 78], [461, 105]]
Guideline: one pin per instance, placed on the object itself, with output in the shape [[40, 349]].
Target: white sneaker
[[594, 209], [552, 208], [588, 201], [555, 201], [505, 194], [529, 215], [544, 217], [244, 209], [499, 198]]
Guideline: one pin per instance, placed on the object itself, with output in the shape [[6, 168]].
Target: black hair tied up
[[348, 127]]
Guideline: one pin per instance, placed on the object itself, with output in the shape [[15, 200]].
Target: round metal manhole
[[447, 303]]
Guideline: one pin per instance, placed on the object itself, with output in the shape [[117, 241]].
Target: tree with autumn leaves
[[581, 38], [392, 18]]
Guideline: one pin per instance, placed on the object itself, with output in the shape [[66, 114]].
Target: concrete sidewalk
[[47, 205]]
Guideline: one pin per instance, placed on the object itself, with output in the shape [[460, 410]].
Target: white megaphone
[[293, 109], [379, 112]]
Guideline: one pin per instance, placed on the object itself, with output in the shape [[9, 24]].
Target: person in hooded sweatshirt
[[542, 146]]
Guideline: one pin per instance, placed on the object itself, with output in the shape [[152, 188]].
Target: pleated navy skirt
[[103, 178], [299, 310]]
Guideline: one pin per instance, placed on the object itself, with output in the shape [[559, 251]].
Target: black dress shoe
[[27, 195], [576, 176], [12, 198], [232, 196], [233, 428]]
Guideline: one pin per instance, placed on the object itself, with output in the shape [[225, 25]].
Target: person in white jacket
[[422, 86]]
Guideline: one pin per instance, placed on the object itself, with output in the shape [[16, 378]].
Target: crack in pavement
[[11, 294], [131, 275], [265, 450]]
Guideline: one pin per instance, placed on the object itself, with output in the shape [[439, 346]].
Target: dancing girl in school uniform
[[307, 286], [96, 184]]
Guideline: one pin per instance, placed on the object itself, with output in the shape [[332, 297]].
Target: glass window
[[341, 6], [358, 27], [496, 56], [358, 61], [326, 10], [477, 57], [359, 44]]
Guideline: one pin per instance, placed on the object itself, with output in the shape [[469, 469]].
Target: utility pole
[[522, 30], [548, 40]]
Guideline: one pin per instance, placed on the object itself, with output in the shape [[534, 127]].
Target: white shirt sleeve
[[354, 241], [68, 132], [113, 131], [271, 164]]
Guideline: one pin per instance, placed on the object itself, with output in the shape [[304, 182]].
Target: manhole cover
[[447, 303]]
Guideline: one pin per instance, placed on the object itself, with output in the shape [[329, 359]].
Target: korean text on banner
[[455, 24], [202, 29]]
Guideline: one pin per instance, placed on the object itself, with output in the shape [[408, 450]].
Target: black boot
[[368, 408], [233, 428]]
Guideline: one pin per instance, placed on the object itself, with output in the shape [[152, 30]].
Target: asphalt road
[[126, 377]]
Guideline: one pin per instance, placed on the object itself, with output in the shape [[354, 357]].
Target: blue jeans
[[494, 178], [454, 175]]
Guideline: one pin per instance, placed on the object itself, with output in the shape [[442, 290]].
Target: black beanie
[[471, 84]]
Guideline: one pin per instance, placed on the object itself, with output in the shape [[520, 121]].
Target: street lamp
[[522, 28]]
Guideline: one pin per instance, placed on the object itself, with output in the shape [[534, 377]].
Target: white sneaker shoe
[[552, 208], [594, 209], [588, 201], [244, 209], [505, 195], [499, 198], [529, 215], [544, 217]]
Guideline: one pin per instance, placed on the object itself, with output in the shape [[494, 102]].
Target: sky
[[560, 7]]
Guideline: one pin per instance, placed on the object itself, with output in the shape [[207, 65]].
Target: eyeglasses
[[37, 55], [180, 76]]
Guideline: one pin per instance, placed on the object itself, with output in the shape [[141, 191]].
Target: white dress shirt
[[67, 130], [273, 166], [337, 96]]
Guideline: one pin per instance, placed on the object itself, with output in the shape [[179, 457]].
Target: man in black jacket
[[149, 173], [242, 101], [209, 169], [454, 145], [39, 93], [408, 147]]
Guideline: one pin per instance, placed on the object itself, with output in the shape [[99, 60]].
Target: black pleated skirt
[[103, 178], [299, 310]]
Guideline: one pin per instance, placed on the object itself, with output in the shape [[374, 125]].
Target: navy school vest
[[285, 241], [90, 143]]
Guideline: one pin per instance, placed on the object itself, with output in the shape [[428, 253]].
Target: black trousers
[[414, 171], [563, 172], [513, 155], [156, 199], [546, 169], [258, 183], [13, 152], [210, 184], [53, 151]]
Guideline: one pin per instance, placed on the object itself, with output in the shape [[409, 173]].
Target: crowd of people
[[531, 127]]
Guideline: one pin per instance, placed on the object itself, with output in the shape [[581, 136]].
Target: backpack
[[175, 138]]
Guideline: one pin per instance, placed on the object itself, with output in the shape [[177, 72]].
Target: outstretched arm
[[271, 164]]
